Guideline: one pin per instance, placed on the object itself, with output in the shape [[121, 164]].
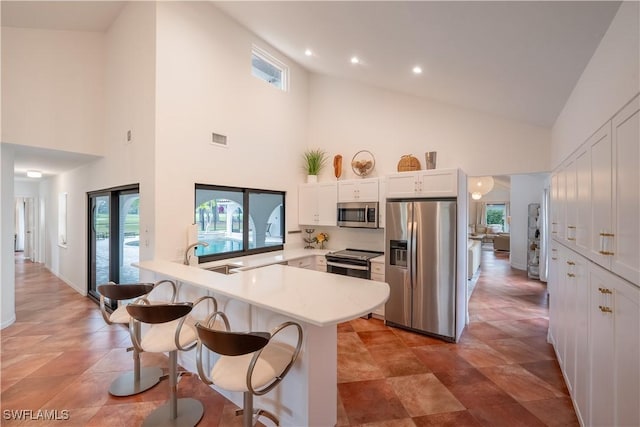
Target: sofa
[[501, 242], [474, 254]]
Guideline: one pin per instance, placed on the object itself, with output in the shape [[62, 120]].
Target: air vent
[[218, 139]]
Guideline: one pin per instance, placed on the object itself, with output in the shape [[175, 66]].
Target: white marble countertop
[[267, 258], [315, 297]]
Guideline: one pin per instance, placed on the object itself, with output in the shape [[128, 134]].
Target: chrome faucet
[[193, 245]]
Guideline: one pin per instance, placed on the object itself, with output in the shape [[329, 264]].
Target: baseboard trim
[[8, 322]]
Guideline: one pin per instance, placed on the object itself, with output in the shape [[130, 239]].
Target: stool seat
[[230, 372], [120, 315], [250, 362], [171, 327], [160, 338], [140, 379]]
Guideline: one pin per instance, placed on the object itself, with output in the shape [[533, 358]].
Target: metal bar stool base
[[125, 384], [189, 413]]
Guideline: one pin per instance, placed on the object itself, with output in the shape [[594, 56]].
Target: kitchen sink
[[224, 269]]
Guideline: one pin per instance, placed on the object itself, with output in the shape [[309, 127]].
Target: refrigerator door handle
[[414, 254]]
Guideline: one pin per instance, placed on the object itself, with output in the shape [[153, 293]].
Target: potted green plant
[[314, 161]]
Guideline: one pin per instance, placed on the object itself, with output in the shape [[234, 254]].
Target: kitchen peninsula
[[261, 296]]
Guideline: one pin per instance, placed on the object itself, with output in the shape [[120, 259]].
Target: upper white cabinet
[[595, 196], [317, 204], [625, 242], [424, 183], [358, 190], [601, 197]]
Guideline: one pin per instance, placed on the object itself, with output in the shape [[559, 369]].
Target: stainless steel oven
[[351, 262]]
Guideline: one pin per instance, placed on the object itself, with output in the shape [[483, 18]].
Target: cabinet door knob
[[571, 263], [605, 309], [604, 290], [571, 275]]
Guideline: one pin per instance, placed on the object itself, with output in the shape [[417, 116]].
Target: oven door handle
[[349, 266]]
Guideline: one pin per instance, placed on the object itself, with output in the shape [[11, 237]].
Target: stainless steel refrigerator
[[421, 265]]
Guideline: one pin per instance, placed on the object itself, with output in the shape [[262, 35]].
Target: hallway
[[60, 355]]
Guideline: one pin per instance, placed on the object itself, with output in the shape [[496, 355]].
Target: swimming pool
[[218, 245]]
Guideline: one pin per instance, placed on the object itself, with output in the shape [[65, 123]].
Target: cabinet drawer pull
[[554, 250], [604, 290], [554, 232], [607, 234], [605, 309], [571, 263], [571, 226], [570, 238], [571, 275], [606, 253], [554, 223], [554, 258]]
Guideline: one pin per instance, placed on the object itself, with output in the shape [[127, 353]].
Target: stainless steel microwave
[[358, 215]]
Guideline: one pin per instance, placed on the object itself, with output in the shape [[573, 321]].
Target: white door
[[600, 147], [29, 229]]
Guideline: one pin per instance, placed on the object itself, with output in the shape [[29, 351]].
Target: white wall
[[525, 189], [52, 89], [345, 117], [608, 82], [7, 262], [129, 103], [204, 85]]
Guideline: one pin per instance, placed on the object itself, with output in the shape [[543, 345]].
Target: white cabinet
[[317, 204], [308, 263], [321, 263], [595, 196], [555, 306], [377, 273], [625, 138], [382, 207], [601, 200], [358, 190], [614, 315], [426, 183]]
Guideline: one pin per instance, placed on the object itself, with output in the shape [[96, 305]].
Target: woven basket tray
[[408, 163]]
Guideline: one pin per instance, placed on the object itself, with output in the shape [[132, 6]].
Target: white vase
[[312, 179]]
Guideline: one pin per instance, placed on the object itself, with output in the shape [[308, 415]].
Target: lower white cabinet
[[377, 274], [614, 315], [321, 263], [307, 262], [594, 326]]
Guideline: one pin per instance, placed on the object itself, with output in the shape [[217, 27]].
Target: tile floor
[[60, 354]]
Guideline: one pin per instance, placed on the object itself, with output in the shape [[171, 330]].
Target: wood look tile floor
[[60, 355]]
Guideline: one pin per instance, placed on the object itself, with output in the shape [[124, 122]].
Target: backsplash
[[341, 238]]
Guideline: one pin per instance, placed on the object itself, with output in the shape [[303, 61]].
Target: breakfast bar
[[261, 298]]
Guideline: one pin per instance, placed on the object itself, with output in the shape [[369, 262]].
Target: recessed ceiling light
[[417, 70], [308, 52], [34, 174], [355, 60]]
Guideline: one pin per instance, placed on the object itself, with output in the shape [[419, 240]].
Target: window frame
[[246, 209], [265, 56], [504, 213]]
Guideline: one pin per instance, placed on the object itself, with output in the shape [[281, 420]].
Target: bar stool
[[250, 362], [140, 379], [171, 329]]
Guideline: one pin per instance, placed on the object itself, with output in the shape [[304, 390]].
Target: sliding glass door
[[114, 232]]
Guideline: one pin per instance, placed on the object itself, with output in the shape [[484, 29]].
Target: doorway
[[114, 232], [25, 230]]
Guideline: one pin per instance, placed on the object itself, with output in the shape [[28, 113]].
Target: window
[[238, 221], [269, 69], [496, 215]]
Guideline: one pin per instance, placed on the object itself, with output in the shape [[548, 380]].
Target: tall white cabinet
[[594, 272]]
